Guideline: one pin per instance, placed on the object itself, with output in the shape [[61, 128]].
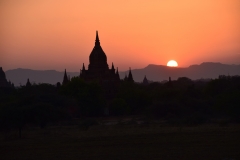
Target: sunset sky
[[59, 34]]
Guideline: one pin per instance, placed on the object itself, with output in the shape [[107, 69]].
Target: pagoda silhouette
[[98, 69]]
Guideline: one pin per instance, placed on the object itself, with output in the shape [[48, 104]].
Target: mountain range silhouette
[[206, 70]]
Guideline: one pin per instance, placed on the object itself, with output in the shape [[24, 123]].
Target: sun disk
[[172, 63]]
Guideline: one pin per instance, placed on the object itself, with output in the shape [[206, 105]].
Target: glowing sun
[[172, 63]]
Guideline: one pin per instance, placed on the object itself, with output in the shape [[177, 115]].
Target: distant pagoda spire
[[83, 67], [65, 73], [145, 80], [65, 78], [28, 84], [112, 66], [125, 78], [113, 69], [130, 77], [97, 41]]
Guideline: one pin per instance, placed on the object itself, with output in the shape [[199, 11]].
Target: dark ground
[[123, 142]]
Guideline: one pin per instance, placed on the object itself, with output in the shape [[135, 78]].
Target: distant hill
[[203, 71], [153, 72]]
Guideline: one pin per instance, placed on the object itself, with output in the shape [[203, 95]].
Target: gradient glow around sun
[[172, 63]]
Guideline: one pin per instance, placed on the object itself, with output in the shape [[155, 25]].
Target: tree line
[[182, 101]]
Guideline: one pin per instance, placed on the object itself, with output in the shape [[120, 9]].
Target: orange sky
[[58, 34]]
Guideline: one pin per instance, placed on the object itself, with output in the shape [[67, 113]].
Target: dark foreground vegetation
[[56, 118]]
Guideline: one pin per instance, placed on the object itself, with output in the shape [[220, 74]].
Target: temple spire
[[125, 78], [83, 68], [28, 84], [112, 66], [65, 73], [130, 77], [97, 42], [145, 80], [65, 78]]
